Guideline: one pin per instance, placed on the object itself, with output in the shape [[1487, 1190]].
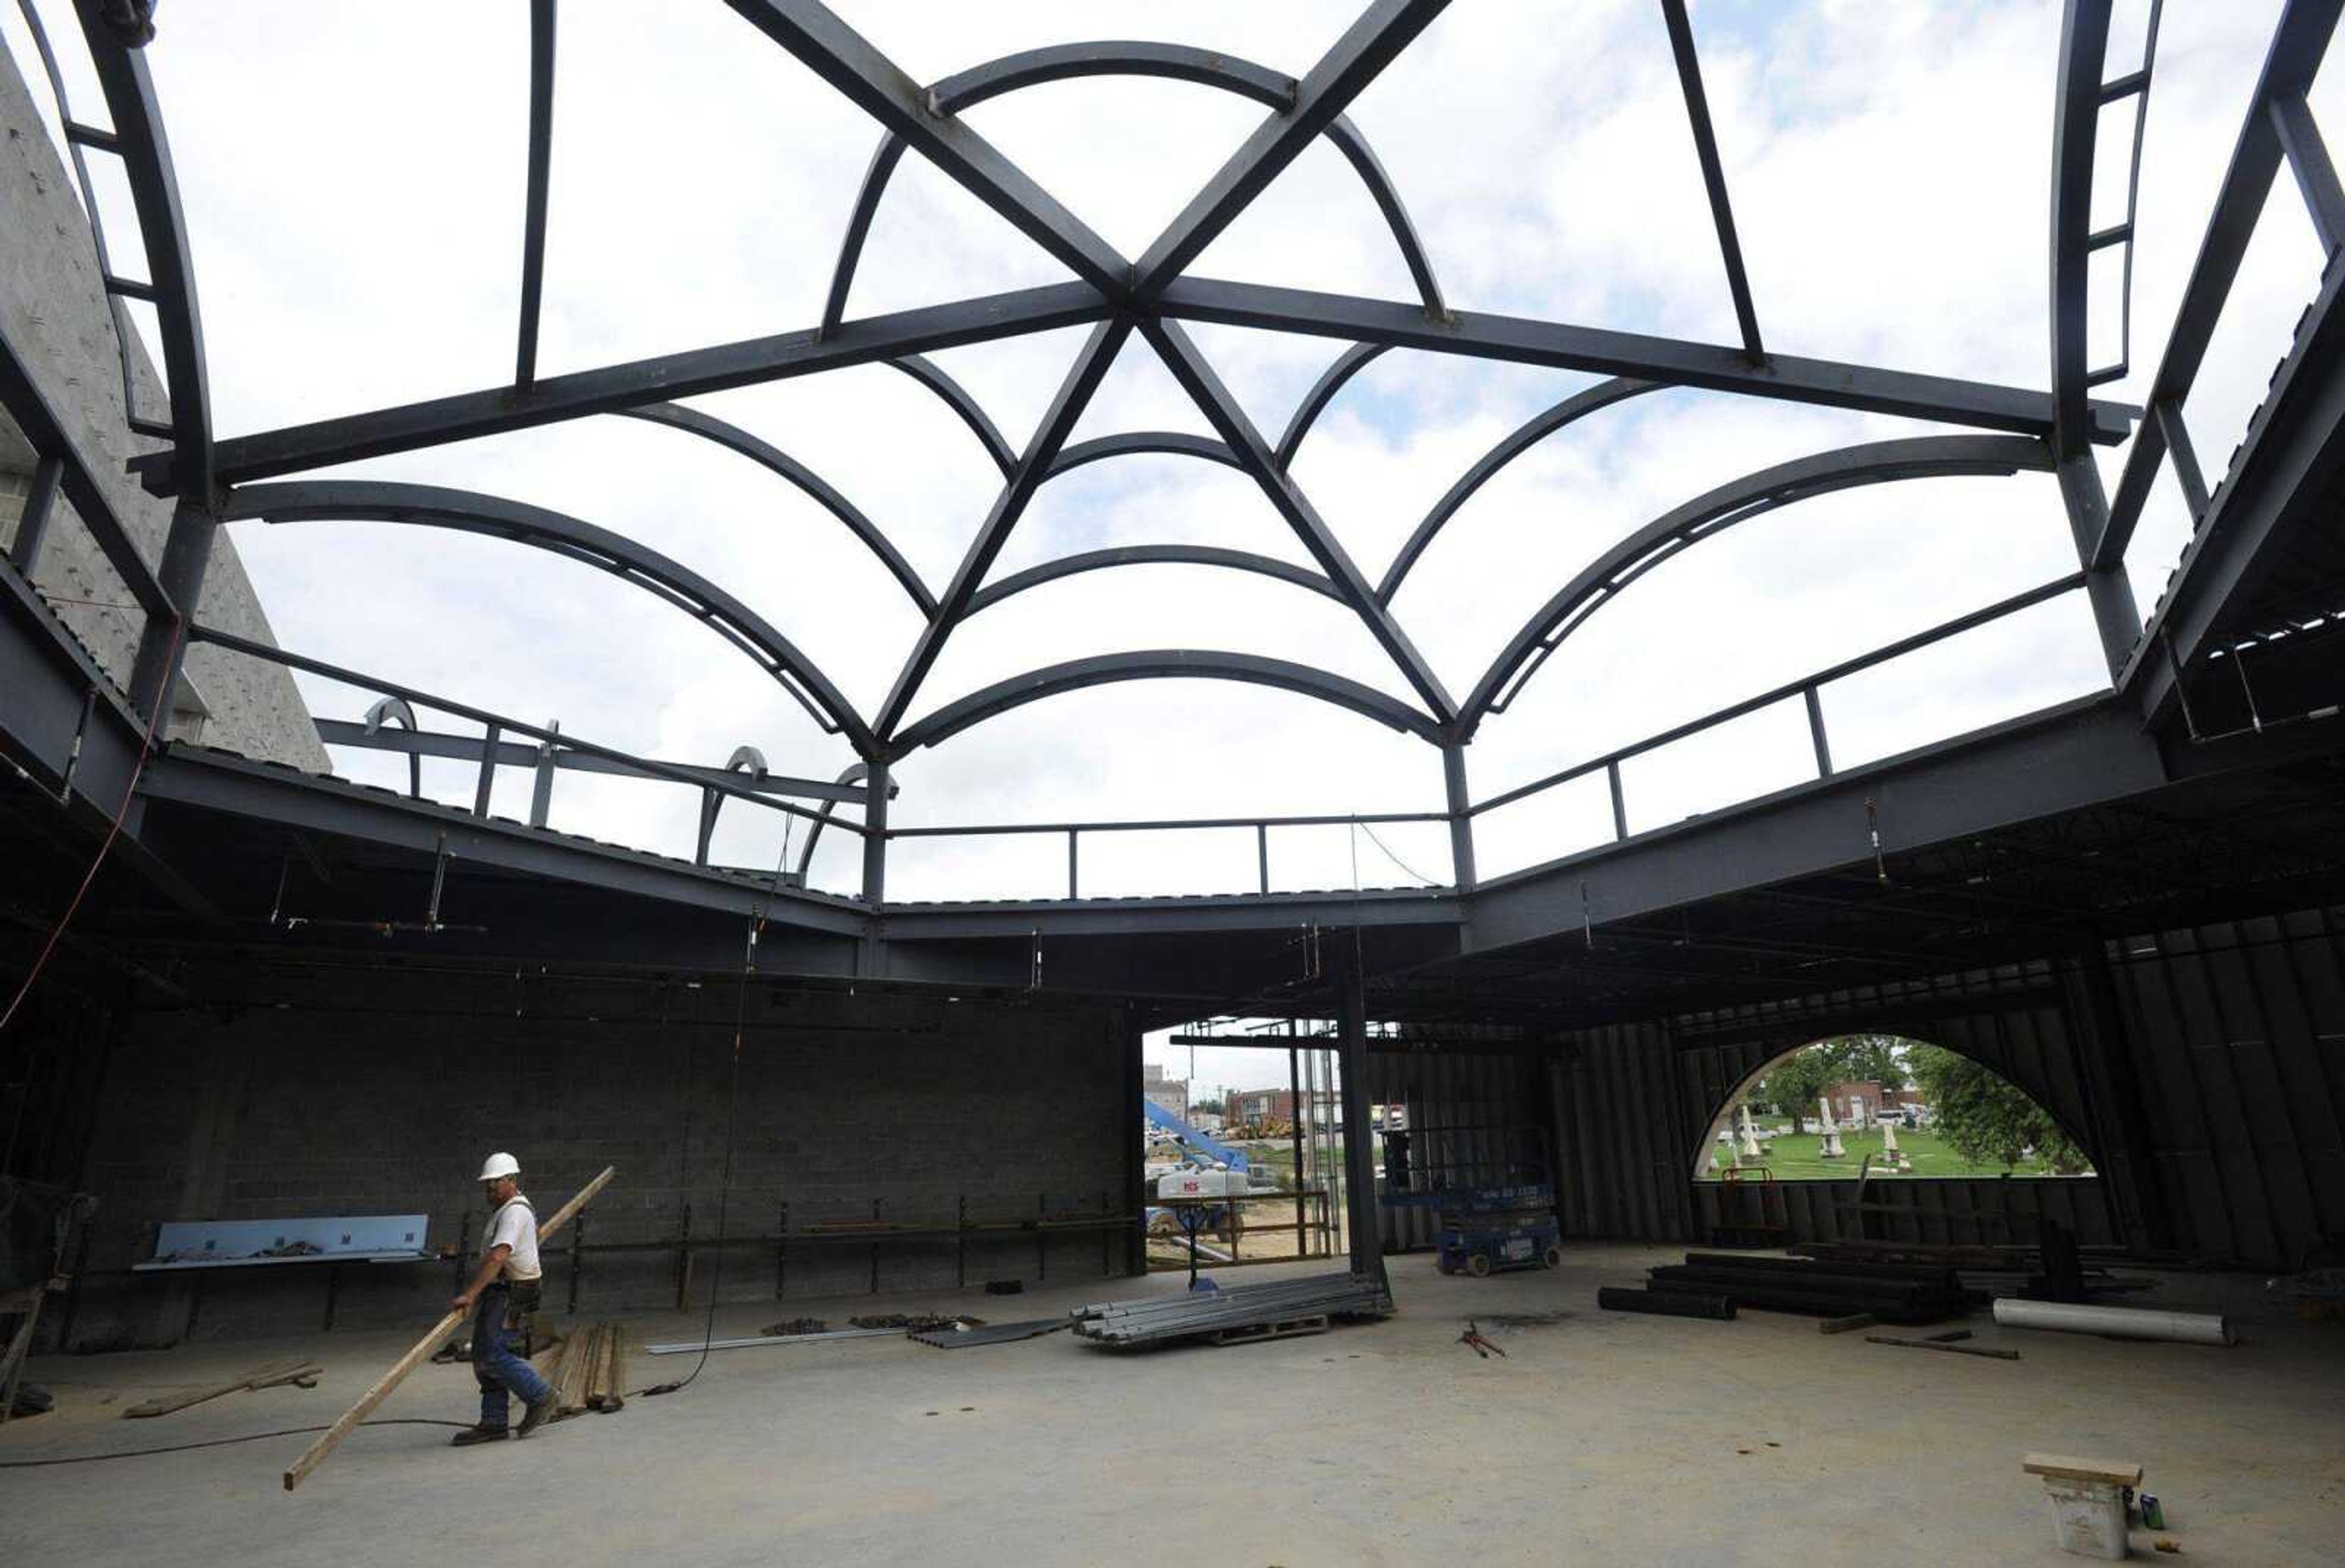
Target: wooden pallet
[[1285, 1328]]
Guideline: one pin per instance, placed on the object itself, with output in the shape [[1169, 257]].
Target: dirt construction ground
[[1599, 1438]]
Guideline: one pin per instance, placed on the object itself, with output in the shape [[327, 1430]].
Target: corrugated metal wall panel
[[2209, 1086]]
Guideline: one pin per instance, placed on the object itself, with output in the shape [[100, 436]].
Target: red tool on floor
[[1472, 1339]]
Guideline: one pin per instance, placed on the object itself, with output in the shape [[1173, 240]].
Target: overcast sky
[[353, 179]]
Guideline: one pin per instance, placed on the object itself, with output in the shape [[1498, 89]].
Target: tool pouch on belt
[[522, 1298]]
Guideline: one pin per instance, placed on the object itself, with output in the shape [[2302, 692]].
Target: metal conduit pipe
[[2121, 1322]]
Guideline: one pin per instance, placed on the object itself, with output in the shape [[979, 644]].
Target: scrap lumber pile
[[1889, 1292], [589, 1371], [1232, 1317]]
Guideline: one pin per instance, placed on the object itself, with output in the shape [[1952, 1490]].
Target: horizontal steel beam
[[1709, 367], [1270, 913], [304, 803], [612, 388], [2081, 754], [521, 755]]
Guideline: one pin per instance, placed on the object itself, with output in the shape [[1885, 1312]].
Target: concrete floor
[[1602, 1437]]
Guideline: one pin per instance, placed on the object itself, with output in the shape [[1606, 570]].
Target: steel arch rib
[[1162, 664], [1347, 365], [1524, 436], [1133, 444], [733, 438], [1151, 555], [1177, 62], [433, 506], [956, 397], [1707, 515]]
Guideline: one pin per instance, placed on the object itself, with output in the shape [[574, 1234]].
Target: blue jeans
[[498, 1365]]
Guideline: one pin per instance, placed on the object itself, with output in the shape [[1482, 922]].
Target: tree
[[1793, 1085], [1210, 1105], [1985, 1120]]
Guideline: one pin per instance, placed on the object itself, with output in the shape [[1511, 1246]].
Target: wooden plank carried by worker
[[269, 1377], [333, 1435]]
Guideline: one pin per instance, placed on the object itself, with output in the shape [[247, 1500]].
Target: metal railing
[[1807, 688]]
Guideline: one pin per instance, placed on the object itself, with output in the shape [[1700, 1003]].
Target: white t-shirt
[[515, 1226]]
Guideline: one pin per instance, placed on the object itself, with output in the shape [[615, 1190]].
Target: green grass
[[1794, 1157]]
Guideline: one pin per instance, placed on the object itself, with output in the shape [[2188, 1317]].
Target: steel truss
[[1155, 296]]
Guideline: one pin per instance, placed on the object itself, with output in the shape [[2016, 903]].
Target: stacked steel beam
[[1892, 1292], [1123, 1324]]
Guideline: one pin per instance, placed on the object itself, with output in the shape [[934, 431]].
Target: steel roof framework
[[214, 480]]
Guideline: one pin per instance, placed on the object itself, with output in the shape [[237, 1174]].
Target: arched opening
[[1882, 1106]]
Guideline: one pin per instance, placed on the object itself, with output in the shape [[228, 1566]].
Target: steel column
[[1359, 1134], [1461, 814], [541, 169], [32, 523]]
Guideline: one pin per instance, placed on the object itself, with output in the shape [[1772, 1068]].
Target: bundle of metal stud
[[1158, 1321]]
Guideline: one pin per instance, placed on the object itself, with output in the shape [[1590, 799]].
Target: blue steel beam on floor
[[1150, 555], [1709, 515], [1167, 664], [541, 173], [494, 517], [733, 438], [868, 78], [1524, 436], [1714, 173], [1356, 59], [1711, 367], [1204, 387], [612, 388], [1066, 410], [2300, 43]]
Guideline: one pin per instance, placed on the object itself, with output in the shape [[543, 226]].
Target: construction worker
[[506, 1291]]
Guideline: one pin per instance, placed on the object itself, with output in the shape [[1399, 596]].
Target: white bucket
[[2088, 1517]]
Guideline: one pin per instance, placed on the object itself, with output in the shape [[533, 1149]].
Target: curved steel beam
[[1178, 62], [1527, 435], [854, 773], [1151, 555], [2076, 121], [1164, 665], [733, 438], [431, 506], [931, 375], [1112, 57], [396, 709], [1737, 500], [1349, 363], [1130, 443], [876, 174]]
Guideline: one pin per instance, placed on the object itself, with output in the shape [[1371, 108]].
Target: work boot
[[472, 1435], [536, 1414]]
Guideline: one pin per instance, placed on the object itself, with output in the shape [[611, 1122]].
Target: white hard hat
[[500, 1165]]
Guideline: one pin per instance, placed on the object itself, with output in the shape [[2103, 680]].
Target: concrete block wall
[[380, 1094], [53, 314]]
